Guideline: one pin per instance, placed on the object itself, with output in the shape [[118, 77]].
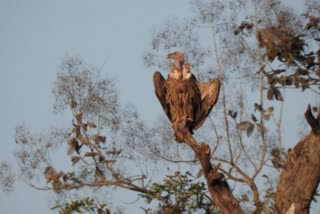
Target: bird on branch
[[182, 97]]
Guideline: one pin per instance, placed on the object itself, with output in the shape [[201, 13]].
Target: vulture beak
[[176, 55], [169, 56]]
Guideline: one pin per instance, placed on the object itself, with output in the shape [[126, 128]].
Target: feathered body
[[182, 97]]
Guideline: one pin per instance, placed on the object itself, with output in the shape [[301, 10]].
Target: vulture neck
[[178, 64]]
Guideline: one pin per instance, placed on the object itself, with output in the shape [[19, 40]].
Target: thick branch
[[217, 184], [301, 174]]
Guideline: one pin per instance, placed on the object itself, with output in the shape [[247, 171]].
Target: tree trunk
[[301, 174], [217, 184]]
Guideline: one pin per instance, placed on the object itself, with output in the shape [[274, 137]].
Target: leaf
[[296, 81], [244, 198], [101, 158], [76, 129], [50, 173], [283, 80], [261, 128], [270, 93], [258, 107], [271, 79], [71, 149], [253, 117], [270, 109], [73, 104], [79, 118], [90, 154], [304, 83], [77, 147], [289, 81], [83, 139], [74, 160], [72, 145], [114, 151], [246, 24], [302, 72], [91, 125], [277, 94], [266, 116], [278, 71], [246, 126], [99, 139], [276, 152], [274, 93], [233, 114], [72, 141], [315, 109], [56, 184]]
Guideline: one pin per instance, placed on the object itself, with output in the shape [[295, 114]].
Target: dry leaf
[[99, 139], [75, 160], [246, 126], [266, 116], [270, 109], [73, 104], [49, 173], [83, 139], [261, 128], [79, 118], [76, 129], [253, 117], [72, 145], [72, 141], [71, 149], [90, 154], [56, 185], [91, 125], [114, 151]]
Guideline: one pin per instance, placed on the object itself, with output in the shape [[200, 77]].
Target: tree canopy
[[238, 162]]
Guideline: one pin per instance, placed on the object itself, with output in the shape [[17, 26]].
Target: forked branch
[[312, 121], [217, 184]]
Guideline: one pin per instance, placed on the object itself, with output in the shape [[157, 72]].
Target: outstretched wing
[[209, 96], [160, 89]]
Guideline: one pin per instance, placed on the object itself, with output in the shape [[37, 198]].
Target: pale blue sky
[[37, 34]]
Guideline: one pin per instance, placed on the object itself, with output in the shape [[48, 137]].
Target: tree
[[284, 54], [271, 51]]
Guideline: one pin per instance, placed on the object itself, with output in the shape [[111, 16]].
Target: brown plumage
[[182, 97]]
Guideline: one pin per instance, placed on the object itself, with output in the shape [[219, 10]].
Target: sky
[[37, 34]]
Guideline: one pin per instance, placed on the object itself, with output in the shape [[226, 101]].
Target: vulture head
[[177, 55], [176, 68]]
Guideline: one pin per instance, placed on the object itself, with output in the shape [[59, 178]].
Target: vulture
[[182, 97]]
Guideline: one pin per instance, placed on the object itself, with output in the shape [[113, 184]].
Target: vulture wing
[[209, 96], [160, 89]]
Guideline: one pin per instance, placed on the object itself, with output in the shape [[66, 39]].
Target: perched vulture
[[182, 97]]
